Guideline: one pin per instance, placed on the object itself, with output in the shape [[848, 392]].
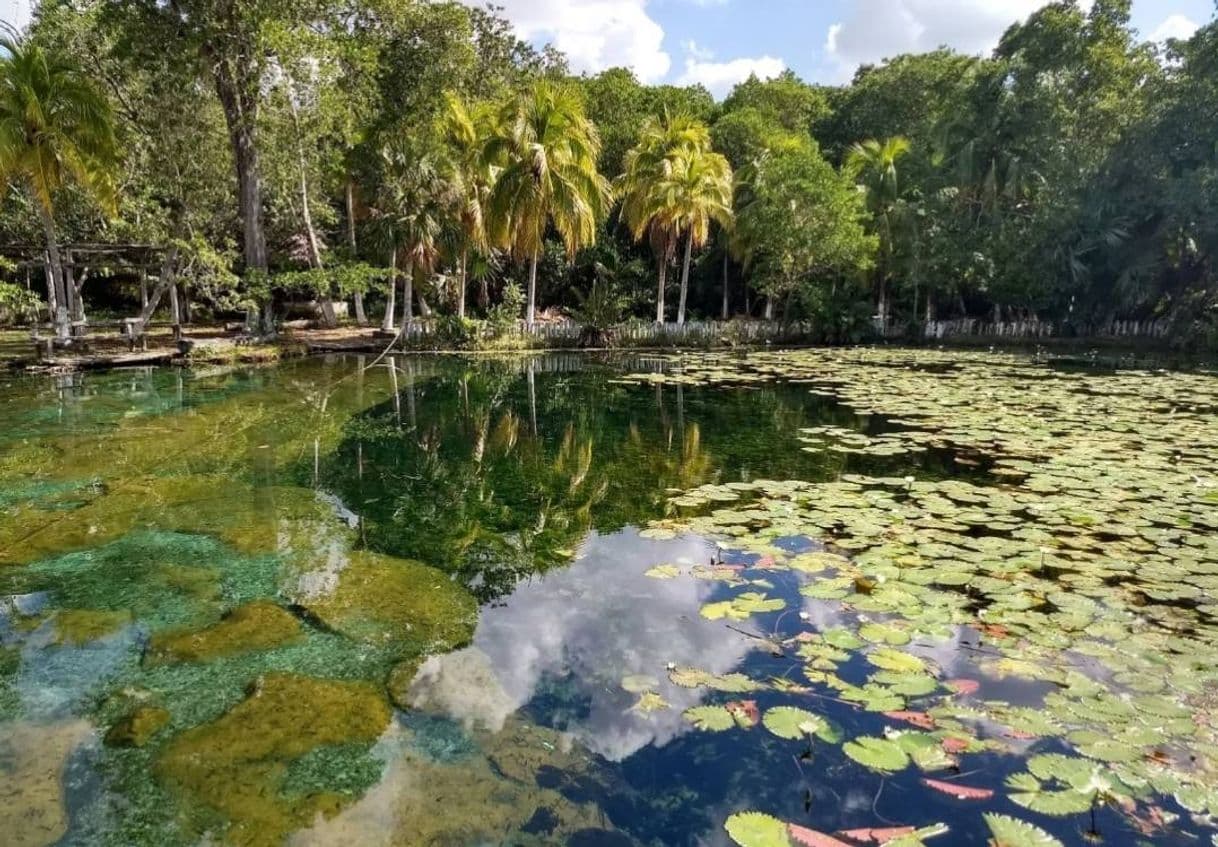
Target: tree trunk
[[461, 283], [163, 283], [689, 252], [769, 308], [390, 304], [424, 308], [882, 308], [49, 274], [408, 294], [174, 308], [726, 307], [484, 293], [325, 297], [530, 309], [78, 300], [361, 317], [76, 308], [143, 288], [239, 100], [62, 320], [660, 290]]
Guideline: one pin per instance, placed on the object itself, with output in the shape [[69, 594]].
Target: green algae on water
[[260, 625], [237, 765]]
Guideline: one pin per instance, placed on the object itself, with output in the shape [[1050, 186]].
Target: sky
[[720, 42]]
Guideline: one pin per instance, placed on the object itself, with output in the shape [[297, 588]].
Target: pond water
[[809, 598]]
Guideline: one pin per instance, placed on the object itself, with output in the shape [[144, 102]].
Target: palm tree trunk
[[408, 295], [328, 316], [174, 310], [660, 290], [461, 283], [689, 252], [361, 317], [883, 303], [49, 274], [530, 311], [390, 301], [55, 266], [726, 307]]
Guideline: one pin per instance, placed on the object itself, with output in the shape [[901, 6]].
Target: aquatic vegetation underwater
[[785, 598]]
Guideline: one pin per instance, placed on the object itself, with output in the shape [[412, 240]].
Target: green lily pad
[[754, 829], [877, 754]]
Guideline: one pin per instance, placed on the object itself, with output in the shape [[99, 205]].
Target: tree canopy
[[282, 148]]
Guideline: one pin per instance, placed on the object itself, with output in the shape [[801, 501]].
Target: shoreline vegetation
[[397, 162], [213, 346]]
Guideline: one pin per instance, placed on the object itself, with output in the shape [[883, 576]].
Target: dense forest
[[396, 159]]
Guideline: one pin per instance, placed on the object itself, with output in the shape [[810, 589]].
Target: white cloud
[[1174, 26], [565, 625], [697, 51], [719, 77], [877, 29], [15, 13], [595, 34]]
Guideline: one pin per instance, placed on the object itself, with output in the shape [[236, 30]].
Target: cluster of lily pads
[[1080, 560]]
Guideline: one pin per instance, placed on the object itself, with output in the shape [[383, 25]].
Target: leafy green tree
[[645, 208], [800, 222], [876, 164], [55, 126], [414, 206], [472, 178], [621, 107], [547, 150], [786, 100], [695, 191]]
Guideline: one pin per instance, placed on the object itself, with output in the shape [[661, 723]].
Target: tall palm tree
[[472, 177], [875, 164], [415, 204], [54, 126], [696, 192], [547, 150], [648, 163]]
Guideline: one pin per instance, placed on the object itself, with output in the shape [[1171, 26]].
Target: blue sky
[[719, 42]]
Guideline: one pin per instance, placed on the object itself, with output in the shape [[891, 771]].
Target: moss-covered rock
[[32, 811], [498, 798], [237, 765], [260, 625], [137, 728], [75, 627], [382, 600]]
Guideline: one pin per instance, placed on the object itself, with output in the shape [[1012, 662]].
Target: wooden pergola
[[80, 258]]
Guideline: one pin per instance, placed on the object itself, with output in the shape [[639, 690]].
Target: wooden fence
[[555, 334], [975, 328]]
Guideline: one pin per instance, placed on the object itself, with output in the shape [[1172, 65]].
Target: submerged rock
[[32, 811], [460, 685], [382, 600], [237, 764], [427, 801], [260, 625], [137, 728], [74, 627]]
